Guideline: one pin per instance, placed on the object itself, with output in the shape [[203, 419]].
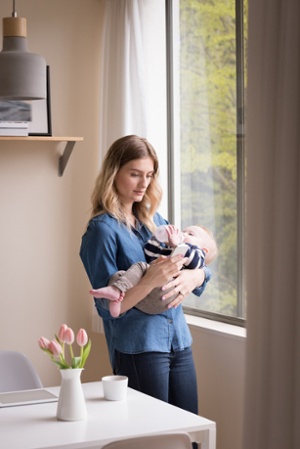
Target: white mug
[[115, 387]]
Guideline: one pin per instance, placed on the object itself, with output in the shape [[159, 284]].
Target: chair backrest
[[17, 372], [178, 440]]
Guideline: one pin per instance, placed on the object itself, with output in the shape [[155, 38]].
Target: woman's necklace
[[130, 217], [132, 221]]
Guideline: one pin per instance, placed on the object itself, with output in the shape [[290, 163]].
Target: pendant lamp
[[22, 74]]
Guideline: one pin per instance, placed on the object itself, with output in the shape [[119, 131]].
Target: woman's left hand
[[183, 285]]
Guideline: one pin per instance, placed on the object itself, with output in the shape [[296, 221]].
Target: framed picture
[[27, 118], [40, 124]]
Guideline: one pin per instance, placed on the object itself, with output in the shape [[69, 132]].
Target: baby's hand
[[175, 236]]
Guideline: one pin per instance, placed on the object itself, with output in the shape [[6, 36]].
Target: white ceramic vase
[[71, 403]]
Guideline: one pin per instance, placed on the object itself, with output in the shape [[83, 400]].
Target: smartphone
[[180, 249]]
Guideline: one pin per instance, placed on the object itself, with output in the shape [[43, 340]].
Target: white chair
[[17, 372], [179, 440]]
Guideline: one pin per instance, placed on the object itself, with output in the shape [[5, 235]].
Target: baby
[[201, 250]]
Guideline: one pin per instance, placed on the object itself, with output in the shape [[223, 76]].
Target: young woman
[[154, 351]]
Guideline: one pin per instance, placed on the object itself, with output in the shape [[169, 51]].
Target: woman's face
[[133, 179]]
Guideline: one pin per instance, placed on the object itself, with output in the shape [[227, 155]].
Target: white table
[[35, 426]]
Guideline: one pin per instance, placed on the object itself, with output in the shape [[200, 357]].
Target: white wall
[[219, 352], [42, 281]]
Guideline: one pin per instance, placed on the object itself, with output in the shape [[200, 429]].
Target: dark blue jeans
[[170, 377]]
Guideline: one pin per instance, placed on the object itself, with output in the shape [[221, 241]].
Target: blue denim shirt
[[108, 246]]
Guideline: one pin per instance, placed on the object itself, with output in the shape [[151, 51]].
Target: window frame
[[240, 148]]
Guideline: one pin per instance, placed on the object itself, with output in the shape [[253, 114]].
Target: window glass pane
[[208, 140]]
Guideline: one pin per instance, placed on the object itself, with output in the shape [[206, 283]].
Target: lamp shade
[[22, 74]]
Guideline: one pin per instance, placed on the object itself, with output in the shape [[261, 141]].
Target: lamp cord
[[14, 14]]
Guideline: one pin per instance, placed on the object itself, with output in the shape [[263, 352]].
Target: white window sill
[[212, 326]]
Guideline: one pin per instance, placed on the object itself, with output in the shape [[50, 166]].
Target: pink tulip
[[44, 343], [82, 337], [62, 331], [68, 336], [55, 348]]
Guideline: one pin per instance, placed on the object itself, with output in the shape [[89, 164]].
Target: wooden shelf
[[63, 159]]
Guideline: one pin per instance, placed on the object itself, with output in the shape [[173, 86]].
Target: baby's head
[[204, 239]]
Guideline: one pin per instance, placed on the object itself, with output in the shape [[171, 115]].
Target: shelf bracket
[[63, 160]]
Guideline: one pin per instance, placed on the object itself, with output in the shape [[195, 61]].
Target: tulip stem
[[71, 352]]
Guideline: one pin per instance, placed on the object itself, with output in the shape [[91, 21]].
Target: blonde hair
[[105, 198]]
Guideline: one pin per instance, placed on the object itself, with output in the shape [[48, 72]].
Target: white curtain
[[123, 92], [123, 103], [272, 399]]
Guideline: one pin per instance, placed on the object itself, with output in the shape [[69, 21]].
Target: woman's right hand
[[159, 273], [163, 270]]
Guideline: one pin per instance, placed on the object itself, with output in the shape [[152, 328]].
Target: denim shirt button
[[170, 321]]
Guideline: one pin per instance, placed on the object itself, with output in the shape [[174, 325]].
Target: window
[[205, 70], [195, 120]]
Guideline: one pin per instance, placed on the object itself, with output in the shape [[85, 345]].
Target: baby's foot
[[115, 308], [111, 292]]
